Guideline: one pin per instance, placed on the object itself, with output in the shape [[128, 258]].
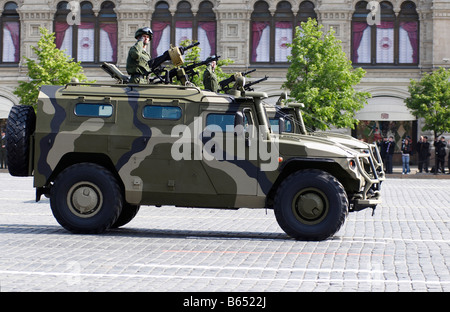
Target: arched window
[[108, 33], [184, 25], [271, 34], [306, 10], [90, 39], [284, 29], [184, 20], [85, 34], [161, 27], [408, 34], [260, 32], [10, 34], [387, 39], [206, 29]]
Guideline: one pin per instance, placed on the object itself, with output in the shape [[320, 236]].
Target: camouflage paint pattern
[[140, 151]]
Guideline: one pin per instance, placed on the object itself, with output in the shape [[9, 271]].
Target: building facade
[[400, 41]]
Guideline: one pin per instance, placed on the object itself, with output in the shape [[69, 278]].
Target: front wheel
[[128, 213], [86, 198], [311, 205]]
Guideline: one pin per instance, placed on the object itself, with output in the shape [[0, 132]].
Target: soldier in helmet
[[138, 57], [210, 79]]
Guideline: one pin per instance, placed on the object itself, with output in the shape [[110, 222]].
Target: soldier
[[209, 77], [138, 57]]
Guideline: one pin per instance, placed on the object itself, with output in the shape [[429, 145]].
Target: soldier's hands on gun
[[157, 68], [183, 73]]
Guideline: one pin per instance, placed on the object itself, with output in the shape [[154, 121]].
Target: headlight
[[352, 164]]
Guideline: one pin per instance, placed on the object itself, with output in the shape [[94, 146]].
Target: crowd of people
[[423, 149]]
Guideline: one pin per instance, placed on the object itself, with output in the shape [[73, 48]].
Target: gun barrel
[[189, 69], [248, 85], [248, 72], [183, 49]]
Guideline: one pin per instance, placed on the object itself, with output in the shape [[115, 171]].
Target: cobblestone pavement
[[403, 247]]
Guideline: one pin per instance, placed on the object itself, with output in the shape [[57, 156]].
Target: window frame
[[178, 108], [88, 16], [162, 14], [9, 15], [78, 114], [262, 14], [387, 15]]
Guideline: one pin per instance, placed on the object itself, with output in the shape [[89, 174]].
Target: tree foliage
[[52, 67], [321, 76], [430, 99]]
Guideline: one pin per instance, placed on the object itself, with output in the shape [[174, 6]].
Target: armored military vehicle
[[100, 151], [286, 117]]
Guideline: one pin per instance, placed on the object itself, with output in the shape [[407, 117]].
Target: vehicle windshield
[[290, 117]]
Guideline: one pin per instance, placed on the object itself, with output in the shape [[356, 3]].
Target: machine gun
[[185, 73], [248, 86], [174, 54], [224, 83], [115, 72]]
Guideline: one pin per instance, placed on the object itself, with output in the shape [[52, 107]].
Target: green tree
[[322, 77], [430, 99], [52, 67], [193, 55]]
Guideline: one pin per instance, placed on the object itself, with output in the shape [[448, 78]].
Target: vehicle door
[[229, 153]]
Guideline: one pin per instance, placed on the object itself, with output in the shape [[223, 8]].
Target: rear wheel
[[20, 127], [311, 205], [86, 198]]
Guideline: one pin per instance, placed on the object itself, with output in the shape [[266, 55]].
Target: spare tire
[[21, 125]]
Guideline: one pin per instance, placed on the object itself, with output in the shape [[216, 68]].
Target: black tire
[[128, 213], [20, 127], [311, 205], [86, 198]]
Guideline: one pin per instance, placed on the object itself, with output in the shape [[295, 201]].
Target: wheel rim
[[310, 206], [84, 199]]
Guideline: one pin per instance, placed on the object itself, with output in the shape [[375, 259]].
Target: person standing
[[448, 158], [210, 81], [406, 154], [440, 154], [3, 164], [389, 147], [423, 151], [138, 57], [382, 149]]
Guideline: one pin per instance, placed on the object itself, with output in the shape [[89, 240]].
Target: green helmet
[[143, 31]]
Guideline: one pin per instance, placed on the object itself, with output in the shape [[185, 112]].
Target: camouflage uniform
[[210, 80], [137, 63]]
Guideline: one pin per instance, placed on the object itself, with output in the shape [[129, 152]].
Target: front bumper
[[371, 169]]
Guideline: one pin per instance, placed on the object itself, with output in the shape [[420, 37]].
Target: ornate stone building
[[402, 40]]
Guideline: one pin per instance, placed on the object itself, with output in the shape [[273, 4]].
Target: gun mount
[[224, 83], [115, 72]]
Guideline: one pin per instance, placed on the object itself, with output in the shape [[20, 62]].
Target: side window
[[275, 125], [162, 112], [225, 122], [93, 110], [220, 121]]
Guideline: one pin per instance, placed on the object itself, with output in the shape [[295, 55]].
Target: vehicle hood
[[312, 146], [343, 139]]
